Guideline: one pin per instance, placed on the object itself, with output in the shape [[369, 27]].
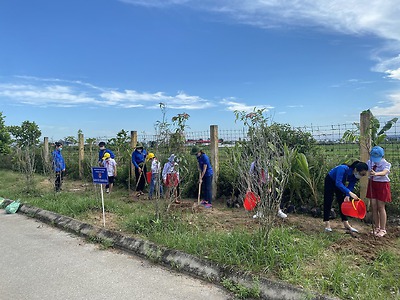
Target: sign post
[[100, 176]]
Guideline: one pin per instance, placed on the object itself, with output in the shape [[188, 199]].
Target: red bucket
[[148, 177], [250, 200], [355, 209]]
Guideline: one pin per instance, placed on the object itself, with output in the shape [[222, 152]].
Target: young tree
[[71, 140], [5, 138], [121, 143], [26, 138], [274, 158], [170, 139], [91, 142]]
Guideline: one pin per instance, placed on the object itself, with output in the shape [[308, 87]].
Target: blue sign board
[[99, 175]]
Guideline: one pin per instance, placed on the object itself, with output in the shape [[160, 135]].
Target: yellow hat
[[150, 156], [106, 155]]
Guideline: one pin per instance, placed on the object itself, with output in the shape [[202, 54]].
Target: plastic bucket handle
[[355, 209]]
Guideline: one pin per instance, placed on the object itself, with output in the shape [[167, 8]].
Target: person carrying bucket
[[378, 190], [335, 183], [260, 176]]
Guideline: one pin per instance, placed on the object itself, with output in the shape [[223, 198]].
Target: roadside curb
[[173, 259]]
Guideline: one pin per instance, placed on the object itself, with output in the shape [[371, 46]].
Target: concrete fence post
[[46, 150], [214, 157], [81, 149], [131, 169], [365, 147]]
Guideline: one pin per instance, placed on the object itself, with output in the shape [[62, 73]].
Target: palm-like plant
[[302, 171], [377, 136]]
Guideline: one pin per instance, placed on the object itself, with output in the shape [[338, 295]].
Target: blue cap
[[376, 154]]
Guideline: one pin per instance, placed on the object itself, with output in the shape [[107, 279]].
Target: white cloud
[[393, 109], [391, 67], [394, 74], [130, 98], [62, 93], [237, 106], [377, 17], [54, 95], [351, 16]]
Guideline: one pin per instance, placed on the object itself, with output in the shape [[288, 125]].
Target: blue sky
[[104, 65]]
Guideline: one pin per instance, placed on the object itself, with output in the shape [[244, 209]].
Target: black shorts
[[110, 179]]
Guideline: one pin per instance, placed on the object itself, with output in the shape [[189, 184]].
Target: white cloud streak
[[45, 92], [232, 105], [131, 98], [393, 109], [55, 95], [376, 17], [353, 17], [349, 16]]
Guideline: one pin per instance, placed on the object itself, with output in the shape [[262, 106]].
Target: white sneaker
[[107, 191], [257, 215], [281, 214], [352, 229]]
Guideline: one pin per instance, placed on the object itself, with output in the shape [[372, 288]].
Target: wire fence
[[329, 136], [321, 133]]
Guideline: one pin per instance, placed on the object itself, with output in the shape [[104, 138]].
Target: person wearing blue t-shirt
[[205, 176], [58, 166], [138, 160], [103, 150], [335, 183]]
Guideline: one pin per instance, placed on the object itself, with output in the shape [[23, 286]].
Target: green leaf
[[387, 126]]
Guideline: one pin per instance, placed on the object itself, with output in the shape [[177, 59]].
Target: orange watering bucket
[[250, 200], [355, 209]]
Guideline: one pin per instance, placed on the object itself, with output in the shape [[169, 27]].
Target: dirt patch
[[68, 185], [222, 218], [367, 245], [96, 218], [363, 244]]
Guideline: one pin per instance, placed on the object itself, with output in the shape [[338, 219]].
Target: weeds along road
[[42, 262]]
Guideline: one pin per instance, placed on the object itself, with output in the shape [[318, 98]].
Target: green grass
[[290, 255]]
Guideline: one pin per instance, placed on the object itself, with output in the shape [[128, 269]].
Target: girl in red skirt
[[378, 188]]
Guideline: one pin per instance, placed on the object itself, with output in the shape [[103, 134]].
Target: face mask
[[60, 148], [357, 175], [102, 148], [139, 150]]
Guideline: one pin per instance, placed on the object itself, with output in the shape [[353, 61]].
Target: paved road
[[41, 262]]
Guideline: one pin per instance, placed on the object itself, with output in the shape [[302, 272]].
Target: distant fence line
[[321, 133]]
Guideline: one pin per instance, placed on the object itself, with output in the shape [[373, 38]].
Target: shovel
[[198, 195]]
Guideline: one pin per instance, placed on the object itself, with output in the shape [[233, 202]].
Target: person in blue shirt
[[335, 183], [103, 150], [138, 160], [205, 175], [58, 166]]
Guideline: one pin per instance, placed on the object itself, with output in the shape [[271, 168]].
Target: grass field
[[297, 252]]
